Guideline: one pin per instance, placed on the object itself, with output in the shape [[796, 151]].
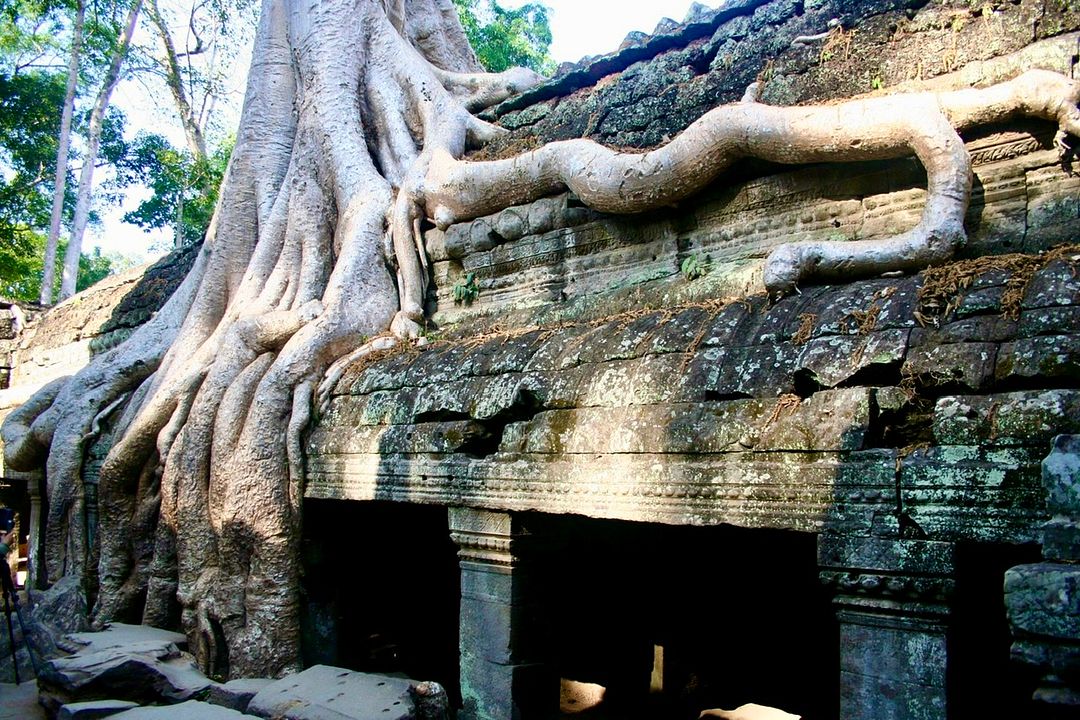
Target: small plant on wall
[[467, 290], [696, 266]]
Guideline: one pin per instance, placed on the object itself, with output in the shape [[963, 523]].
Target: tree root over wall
[[356, 116]]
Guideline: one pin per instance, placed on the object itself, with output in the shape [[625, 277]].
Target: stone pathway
[[20, 702], [142, 666]]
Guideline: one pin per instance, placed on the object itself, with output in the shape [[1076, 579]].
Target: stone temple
[[621, 479]]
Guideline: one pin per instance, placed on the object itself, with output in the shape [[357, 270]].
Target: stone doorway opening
[[661, 621], [381, 590]]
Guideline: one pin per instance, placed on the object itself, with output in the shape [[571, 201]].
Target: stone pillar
[[892, 600], [36, 577], [503, 674], [1043, 599]]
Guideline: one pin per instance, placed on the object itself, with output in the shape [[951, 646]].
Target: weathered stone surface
[[47, 617], [891, 598], [122, 635], [827, 421], [1041, 359], [1061, 539], [61, 608], [125, 662], [1044, 600], [1049, 321], [837, 358], [969, 365], [798, 491], [1055, 285], [887, 555], [1020, 418], [892, 672], [236, 694], [1061, 475], [666, 385], [328, 693], [971, 493], [94, 709], [190, 710], [59, 342]]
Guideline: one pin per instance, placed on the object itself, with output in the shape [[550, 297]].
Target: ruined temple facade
[[620, 470]]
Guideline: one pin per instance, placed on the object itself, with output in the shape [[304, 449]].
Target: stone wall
[[656, 85], [38, 346], [857, 409]]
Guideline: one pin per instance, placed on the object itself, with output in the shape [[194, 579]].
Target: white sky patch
[[578, 28], [597, 27]]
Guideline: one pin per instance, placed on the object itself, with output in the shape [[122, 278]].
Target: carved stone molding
[[912, 578], [491, 538], [889, 586]]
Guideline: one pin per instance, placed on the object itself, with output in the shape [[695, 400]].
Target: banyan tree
[[357, 119]]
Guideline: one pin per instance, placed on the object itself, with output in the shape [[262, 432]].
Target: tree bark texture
[[356, 118]]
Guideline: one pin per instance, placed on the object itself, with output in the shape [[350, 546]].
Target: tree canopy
[[37, 39], [504, 38], [184, 186]]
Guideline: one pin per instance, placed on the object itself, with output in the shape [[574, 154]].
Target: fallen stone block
[[329, 693], [120, 635], [94, 709], [236, 694], [124, 662], [190, 710]]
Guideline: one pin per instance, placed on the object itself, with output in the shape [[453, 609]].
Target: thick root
[[923, 124]]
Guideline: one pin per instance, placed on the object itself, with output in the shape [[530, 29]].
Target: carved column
[[503, 674], [892, 600], [1043, 599], [36, 577]]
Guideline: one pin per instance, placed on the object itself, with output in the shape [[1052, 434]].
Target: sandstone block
[[125, 662], [1043, 600], [94, 709], [236, 694], [1061, 474], [1022, 418], [328, 693]]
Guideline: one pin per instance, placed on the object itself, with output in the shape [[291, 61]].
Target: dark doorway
[[671, 620], [381, 588], [982, 679]]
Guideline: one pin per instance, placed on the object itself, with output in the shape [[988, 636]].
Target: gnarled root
[[923, 124]]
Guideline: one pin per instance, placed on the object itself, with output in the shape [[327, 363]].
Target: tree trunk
[[86, 176], [174, 80], [48, 275], [353, 127]]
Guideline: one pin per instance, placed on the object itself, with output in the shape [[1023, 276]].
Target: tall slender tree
[[93, 142], [48, 275]]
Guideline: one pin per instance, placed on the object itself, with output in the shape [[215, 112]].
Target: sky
[[578, 28], [595, 27]]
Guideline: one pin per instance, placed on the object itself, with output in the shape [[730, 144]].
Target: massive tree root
[[356, 119]]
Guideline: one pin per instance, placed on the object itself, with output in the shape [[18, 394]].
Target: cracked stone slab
[[190, 710], [323, 692], [124, 662]]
